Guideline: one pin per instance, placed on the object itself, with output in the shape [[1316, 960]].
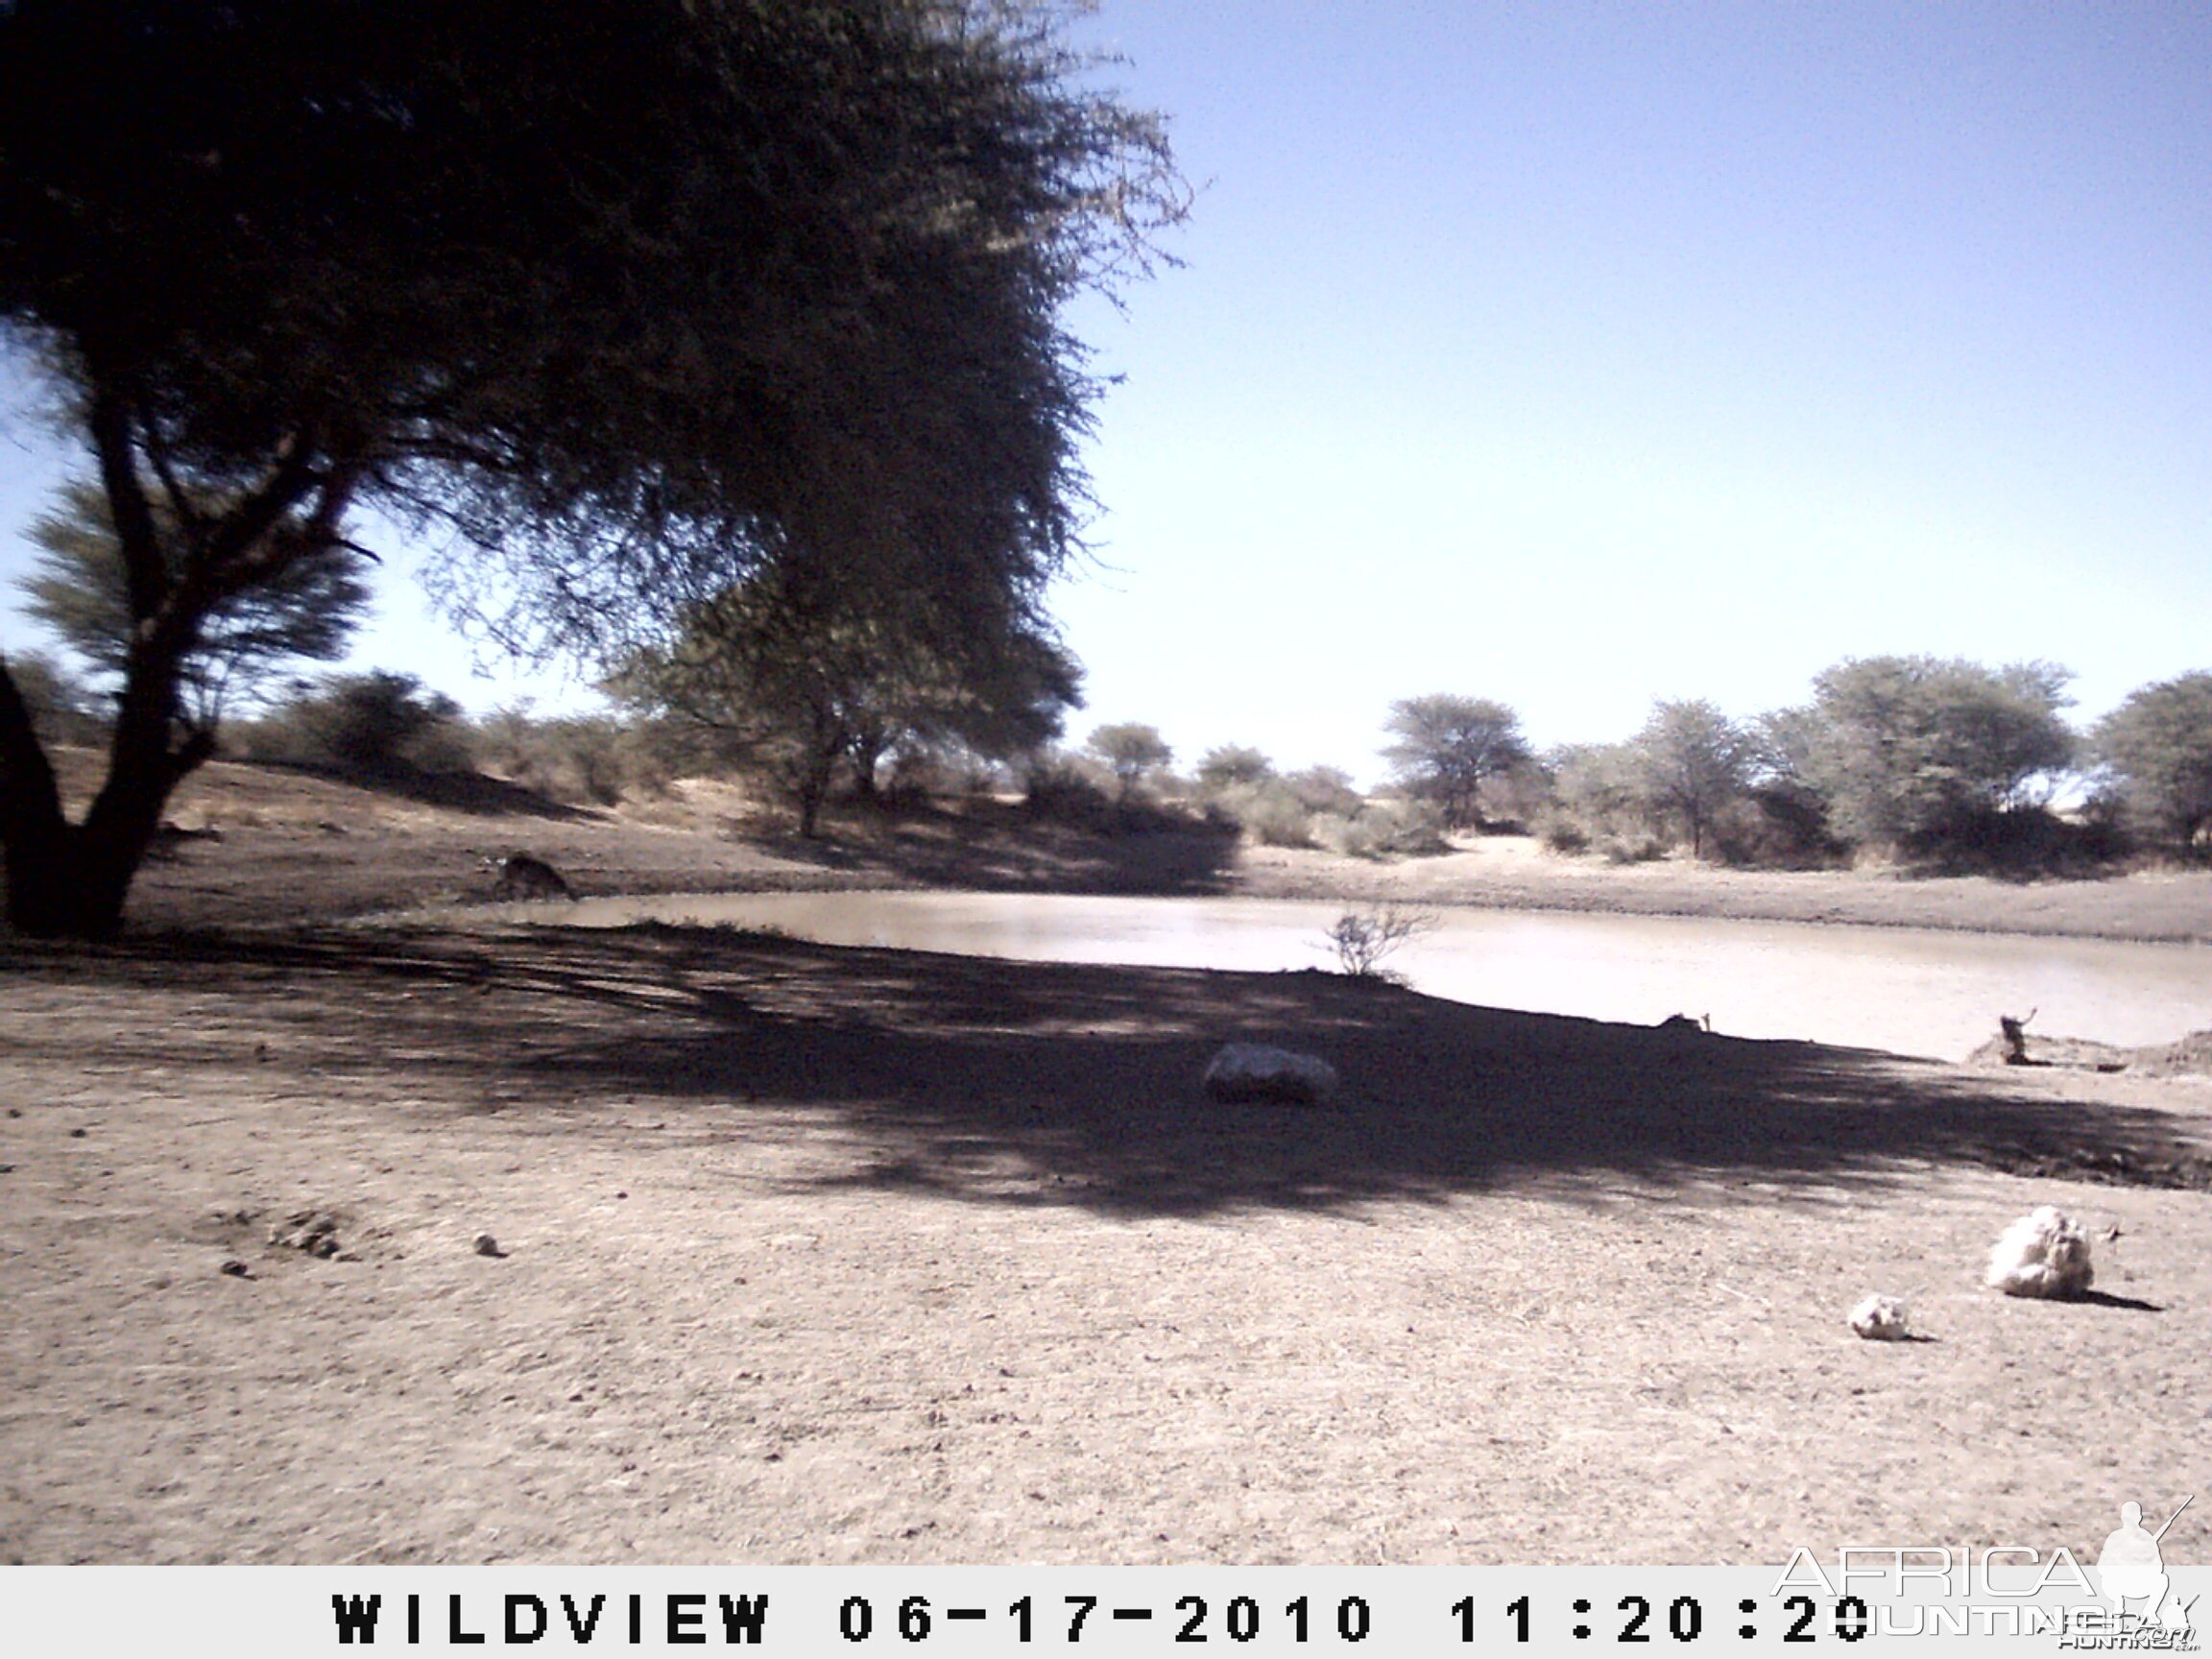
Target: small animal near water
[[526, 876]]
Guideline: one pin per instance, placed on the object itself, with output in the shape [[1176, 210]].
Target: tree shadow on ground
[[472, 792], [991, 848], [1024, 1083]]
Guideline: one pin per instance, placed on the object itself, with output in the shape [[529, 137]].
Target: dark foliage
[[597, 291]]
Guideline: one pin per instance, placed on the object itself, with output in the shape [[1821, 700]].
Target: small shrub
[[1270, 815], [1363, 938], [1412, 828], [1409, 828], [1061, 789], [1335, 831], [1631, 847], [593, 759], [1561, 833], [1233, 766], [1775, 826], [1325, 789]]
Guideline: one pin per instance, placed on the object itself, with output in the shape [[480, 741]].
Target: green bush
[[377, 726], [1064, 789]]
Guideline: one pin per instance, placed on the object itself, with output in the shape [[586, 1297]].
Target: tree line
[[1906, 757], [1922, 760]]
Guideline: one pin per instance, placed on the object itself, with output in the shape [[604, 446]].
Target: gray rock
[[1254, 1073]]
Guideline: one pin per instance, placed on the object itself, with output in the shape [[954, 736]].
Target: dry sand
[[809, 1254]]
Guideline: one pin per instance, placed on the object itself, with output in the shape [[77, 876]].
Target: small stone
[[486, 1245], [1880, 1319], [312, 1232], [236, 1269]]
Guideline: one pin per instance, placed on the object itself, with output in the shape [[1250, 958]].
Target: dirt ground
[[802, 1255]]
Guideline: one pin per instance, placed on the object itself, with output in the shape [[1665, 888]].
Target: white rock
[[1254, 1073], [1880, 1319], [2042, 1254]]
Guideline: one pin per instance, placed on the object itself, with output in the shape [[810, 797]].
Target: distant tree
[[2158, 747], [1789, 823], [1693, 762], [1444, 748], [1133, 752], [1779, 748], [1002, 696], [799, 677], [592, 291], [1923, 750], [248, 643], [1229, 765], [379, 726], [773, 677]]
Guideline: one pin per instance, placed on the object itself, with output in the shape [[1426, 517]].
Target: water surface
[[1907, 990]]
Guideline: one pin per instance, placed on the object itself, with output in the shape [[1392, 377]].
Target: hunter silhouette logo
[[2132, 1568]]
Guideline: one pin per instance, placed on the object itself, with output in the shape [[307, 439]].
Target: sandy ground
[[802, 1255]]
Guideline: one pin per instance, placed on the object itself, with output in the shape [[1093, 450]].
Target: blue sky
[[1576, 355]]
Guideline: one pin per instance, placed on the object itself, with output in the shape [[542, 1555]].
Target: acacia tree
[[797, 679], [1925, 750], [1002, 693], [1445, 747], [1234, 765], [590, 294], [1133, 750], [2158, 744], [80, 588], [1692, 761]]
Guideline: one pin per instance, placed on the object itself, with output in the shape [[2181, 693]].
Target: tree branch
[[146, 571]]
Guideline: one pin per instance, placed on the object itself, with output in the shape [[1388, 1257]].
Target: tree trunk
[[69, 880], [867, 755], [813, 785]]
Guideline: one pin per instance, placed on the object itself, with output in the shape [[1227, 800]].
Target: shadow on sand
[[995, 847], [1036, 1082]]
